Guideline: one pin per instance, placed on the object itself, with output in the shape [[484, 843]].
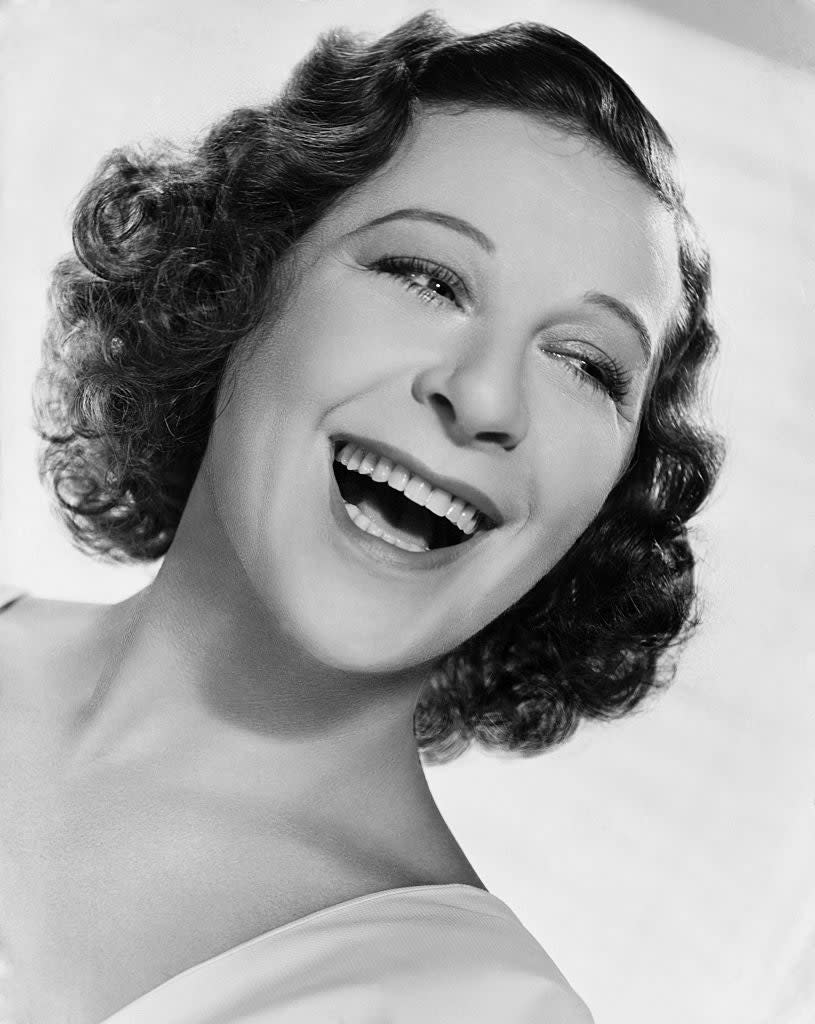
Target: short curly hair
[[178, 258]]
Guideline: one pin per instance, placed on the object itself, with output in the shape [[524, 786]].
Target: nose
[[478, 396]]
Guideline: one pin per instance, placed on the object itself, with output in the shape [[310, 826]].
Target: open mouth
[[384, 499]]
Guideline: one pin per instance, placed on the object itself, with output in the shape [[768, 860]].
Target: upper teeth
[[383, 470]]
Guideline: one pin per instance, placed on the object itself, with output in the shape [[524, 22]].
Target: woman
[[399, 375]]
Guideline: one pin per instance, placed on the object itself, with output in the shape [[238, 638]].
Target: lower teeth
[[362, 522]]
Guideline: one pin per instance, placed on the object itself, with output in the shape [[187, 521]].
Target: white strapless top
[[448, 953]]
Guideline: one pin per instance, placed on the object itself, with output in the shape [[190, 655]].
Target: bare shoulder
[[46, 649], [21, 637]]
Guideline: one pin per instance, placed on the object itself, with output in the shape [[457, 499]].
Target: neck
[[202, 676]]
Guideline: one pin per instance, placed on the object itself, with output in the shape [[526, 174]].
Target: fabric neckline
[[492, 905], [336, 907]]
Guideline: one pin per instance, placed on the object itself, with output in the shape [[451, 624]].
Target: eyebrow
[[616, 306], [446, 220], [627, 315]]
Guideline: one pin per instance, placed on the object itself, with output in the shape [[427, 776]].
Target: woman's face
[[493, 340]]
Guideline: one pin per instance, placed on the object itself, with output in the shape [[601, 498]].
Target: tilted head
[[467, 254]]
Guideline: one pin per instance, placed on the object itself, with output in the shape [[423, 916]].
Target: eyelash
[[404, 266], [613, 380]]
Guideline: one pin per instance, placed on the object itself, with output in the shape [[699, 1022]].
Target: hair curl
[[179, 256]]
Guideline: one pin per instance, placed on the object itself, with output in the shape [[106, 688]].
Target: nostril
[[443, 405], [497, 437]]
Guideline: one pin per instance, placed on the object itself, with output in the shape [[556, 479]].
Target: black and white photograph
[[407, 578]]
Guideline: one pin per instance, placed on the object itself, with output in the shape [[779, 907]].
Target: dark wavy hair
[[179, 256]]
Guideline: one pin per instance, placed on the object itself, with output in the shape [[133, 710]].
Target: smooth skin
[[261, 718]]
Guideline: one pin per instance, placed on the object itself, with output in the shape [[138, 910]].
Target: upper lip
[[458, 488]]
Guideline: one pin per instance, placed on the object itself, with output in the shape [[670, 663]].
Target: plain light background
[[665, 862]]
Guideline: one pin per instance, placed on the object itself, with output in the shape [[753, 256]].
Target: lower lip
[[388, 554]]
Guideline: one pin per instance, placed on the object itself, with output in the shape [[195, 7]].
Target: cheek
[[577, 464], [329, 349]]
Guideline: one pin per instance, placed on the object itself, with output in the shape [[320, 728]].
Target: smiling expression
[[488, 304]]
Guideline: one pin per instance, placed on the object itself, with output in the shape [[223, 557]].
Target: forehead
[[550, 202]]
